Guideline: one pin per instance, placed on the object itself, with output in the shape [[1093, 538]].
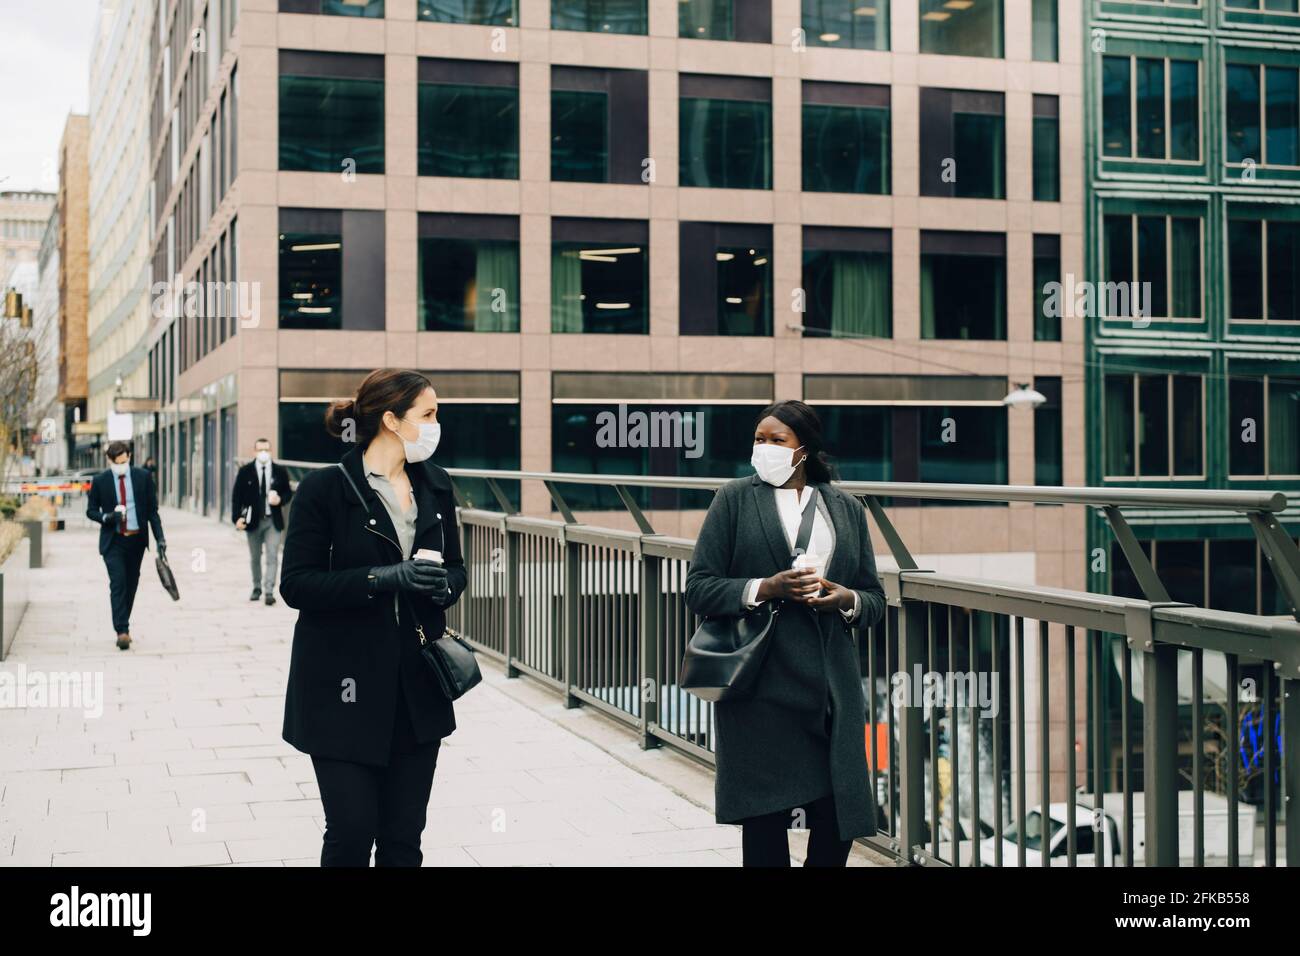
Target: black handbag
[[167, 578], [450, 658], [726, 652], [452, 661]]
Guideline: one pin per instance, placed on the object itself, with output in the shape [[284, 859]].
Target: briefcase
[[167, 578]]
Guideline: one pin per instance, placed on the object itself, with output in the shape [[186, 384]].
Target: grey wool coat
[[773, 749]]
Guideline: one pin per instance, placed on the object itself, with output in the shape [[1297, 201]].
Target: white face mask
[[264, 456], [774, 463], [119, 470], [423, 446]]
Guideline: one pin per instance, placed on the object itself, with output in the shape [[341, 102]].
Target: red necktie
[[121, 491]]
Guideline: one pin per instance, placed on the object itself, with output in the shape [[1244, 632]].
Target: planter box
[[15, 581]]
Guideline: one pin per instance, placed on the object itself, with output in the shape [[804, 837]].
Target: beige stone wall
[[74, 266]]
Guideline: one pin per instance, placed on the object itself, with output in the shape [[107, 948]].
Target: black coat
[[772, 749], [102, 499], [349, 649], [247, 491]]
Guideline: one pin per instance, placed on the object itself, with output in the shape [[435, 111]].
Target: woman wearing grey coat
[[792, 753]]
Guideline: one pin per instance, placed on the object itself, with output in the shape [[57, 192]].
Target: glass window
[[328, 121], [1151, 108], [1163, 255], [468, 129], [599, 125], [579, 136], [601, 283], [694, 440], [468, 273], [725, 143], [1116, 106], [1047, 432], [728, 267], [1184, 110], [868, 457], [1283, 270], [1166, 436], [859, 24], [846, 146], [1045, 32], [352, 8], [963, 286], [599, 16], [1118, 426], [502, 13], [962, 443], [705, 19], [962, 147], [1247, 435], [1047, 270], [847, 282], [962, 27], [311, 280], [1047, 163], [1282, 117], [1241, 97], [1245, 269], [1283, 426]]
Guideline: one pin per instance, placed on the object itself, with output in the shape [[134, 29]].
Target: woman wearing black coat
[[361, 700], [792, 754]]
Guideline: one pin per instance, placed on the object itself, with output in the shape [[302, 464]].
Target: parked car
[[1091, 834]]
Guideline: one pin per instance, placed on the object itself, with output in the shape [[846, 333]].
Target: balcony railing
[[599, 615]]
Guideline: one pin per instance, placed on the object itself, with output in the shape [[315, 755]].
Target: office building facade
[[555, 209]]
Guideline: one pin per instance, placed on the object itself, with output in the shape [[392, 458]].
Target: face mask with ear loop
[[424, 446], [775, 463]]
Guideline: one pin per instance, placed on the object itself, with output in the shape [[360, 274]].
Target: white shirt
[[789, 505]]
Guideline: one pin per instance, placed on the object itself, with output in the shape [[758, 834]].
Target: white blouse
[[789, 505]]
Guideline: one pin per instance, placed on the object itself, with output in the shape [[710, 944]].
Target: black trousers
[[380, 807], [123, 557], [764, 840]]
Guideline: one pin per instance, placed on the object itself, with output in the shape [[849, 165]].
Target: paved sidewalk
[[186, 767]]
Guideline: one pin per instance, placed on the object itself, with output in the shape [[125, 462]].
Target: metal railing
[[599, 615]]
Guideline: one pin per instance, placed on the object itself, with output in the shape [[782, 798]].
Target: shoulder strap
[[355, 490], [805, 526]]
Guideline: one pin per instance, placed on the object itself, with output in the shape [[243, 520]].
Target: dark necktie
[[121, 492]]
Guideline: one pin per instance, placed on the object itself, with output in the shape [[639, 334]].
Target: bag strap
[[805, 526], [355, 490]]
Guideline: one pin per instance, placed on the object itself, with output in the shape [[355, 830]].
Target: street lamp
[[1024, 396]]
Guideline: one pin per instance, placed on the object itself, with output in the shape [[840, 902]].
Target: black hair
[[800, 418]]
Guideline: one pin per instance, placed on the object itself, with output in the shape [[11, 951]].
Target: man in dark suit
[[257, 505], [124, 502]]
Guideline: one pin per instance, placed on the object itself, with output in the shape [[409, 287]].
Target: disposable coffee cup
[[428, 554], [814, 561]]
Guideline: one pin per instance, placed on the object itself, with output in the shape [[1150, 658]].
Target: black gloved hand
[[441, 592], [413, 577]]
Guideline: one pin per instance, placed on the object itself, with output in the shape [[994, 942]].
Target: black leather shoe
[[257, 593], [270, 598], [123, 642]]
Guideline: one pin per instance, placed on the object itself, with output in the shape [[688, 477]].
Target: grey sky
[[44, 75]]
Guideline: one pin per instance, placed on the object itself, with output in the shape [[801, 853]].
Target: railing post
[[912, 742], [652, 688], [1159, 739], [1291, 769], [572, 603], [512, 601]]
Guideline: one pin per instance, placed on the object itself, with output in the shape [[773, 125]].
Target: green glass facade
[[1193, 193]]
